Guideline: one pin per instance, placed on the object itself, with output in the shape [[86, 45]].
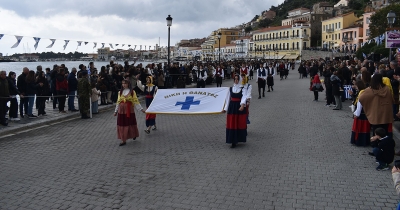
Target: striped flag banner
[[52, 43], [95, 44], [1, 36], [189, 101], [37, 39], [346, 91], [19, 38], [66, 43]]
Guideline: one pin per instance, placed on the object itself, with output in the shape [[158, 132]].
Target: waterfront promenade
[[297, 156]]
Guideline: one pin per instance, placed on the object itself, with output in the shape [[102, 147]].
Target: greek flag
[[95, 44], [1, 36], [37, 39], [122, 45], [111, 46], [346, 91], [102, 45], [86, 43], [364, 55], [19, 38], [79, 44], [116, 45], [66, 43], [52, 43]]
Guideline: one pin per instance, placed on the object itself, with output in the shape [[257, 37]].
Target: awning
[[290, 57]]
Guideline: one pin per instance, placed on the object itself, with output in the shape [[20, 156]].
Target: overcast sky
[[135, 22]]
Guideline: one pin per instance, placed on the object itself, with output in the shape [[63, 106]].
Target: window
[[339, 36], [355, 34], [324, 27], [367, 32], [336, 26], [339, 24], [368, 20]]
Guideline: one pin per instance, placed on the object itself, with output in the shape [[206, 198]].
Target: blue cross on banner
[[187, 103]]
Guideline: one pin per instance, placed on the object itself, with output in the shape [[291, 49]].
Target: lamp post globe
[[169, 24]]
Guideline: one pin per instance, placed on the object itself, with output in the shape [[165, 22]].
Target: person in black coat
[[21, 85], [42, 93], [383, 149], [327, 73], [12, 87]]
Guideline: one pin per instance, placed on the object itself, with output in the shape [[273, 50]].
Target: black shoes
[[268, 91], [122, 144], [85, 117], [154, 128], [263, 94], [259, 97], [147, 131], [233, 146], [272, 88], [74, 110]]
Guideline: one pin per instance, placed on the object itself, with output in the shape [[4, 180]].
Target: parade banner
[[189, 101]]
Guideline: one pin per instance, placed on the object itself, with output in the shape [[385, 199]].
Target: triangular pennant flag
[[86, 43], [140, 47], [66, 43], [149, 47], [52, 43], [79, 44], [122, 45], [111, 46], [19, 38], [95, 44], [116, 45], [145, 48], [1, 36], [102, 45], [134, 48], [129, 45], [37, 39]]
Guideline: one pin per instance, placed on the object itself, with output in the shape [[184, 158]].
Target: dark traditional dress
[[360, 132], [270, 78], [150, 118], [236, 126]]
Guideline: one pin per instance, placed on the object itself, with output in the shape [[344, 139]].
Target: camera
[[397, 164]]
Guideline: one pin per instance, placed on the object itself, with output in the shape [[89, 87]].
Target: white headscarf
[[239, 85]]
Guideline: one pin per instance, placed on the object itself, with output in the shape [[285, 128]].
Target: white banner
[[189, 101]]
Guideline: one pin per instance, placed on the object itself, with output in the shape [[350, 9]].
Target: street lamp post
[[391, 17], [219, 48], [169, 24], [255, 50]]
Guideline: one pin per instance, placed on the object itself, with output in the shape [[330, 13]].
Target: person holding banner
[[126, 120], [149, 91], [236, 127]]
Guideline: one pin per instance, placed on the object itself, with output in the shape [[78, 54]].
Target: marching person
[[261, 80], [201, 77], [126, 120], [150, 91], [218, 75], [236, 127], [270, 77], [248, 88], [244, 70]]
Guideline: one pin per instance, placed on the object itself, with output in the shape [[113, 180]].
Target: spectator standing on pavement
[[377, 102], [126, 120], [12, 87], [161, 80], [21, 84], [95, 98], [72, 87], [396, 181], [4, 97], [336, 85], [84, 91], [360, 132], [62, 89], [42, 93], [53, 85], [150, 91], [236, 127], [30, 92]]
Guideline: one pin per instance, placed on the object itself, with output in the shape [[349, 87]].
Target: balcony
[[297, 36], [330, 30]]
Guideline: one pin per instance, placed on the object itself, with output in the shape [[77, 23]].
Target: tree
[[248, 29], [255, 18], [354, 4], [379, 22]]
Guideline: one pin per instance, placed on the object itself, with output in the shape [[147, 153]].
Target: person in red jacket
[[62, 89]]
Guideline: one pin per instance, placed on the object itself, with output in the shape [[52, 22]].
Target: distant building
[[366, 22], [103, 53], [322, 8], [342, 3], [29, 57], [332, 29], [378, 4]]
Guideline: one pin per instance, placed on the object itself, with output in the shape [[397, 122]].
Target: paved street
[[297, 156]]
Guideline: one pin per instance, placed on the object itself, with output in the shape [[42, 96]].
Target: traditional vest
[[261, 73], [243, 70], [219, 72], [200, 72], [270, 71]]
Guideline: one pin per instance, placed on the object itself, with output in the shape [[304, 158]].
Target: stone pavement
[[297, 156]]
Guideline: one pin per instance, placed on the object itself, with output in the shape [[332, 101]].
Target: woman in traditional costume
[[360, 132], [236, 126], [150, 91], [126, 121]]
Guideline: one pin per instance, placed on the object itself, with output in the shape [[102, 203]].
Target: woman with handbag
[[316, 86]]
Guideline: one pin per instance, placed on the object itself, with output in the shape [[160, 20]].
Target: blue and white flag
[[86, 43], [149, 47], [189, 101], [95, 44], [52, 43], [37, 39], [66, 43], [116, 45], [111, 46], [102, 45], [1, 36], [140, 47], [19, 38], [79, 44], [122, 45]]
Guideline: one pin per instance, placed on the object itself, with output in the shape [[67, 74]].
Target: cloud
[[140, 22]]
